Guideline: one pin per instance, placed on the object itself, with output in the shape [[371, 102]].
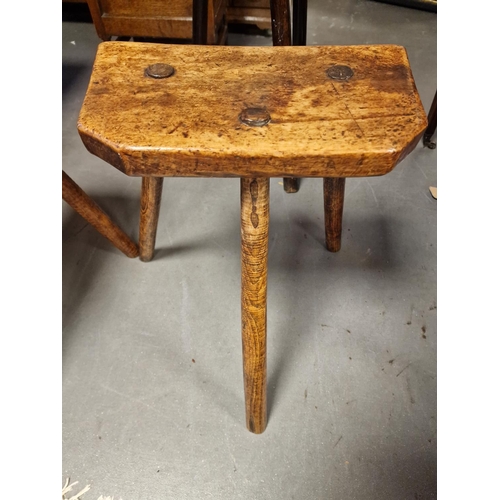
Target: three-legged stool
[[158, 111]]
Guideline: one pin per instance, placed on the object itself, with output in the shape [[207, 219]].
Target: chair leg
[[290, 184], [333, 193], [74, 196], [299, 22], [254, 250], [200, 22], [431, 127], [150, 211], [282, 35]]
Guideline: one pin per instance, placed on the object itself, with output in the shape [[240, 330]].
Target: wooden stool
[[158, 111]]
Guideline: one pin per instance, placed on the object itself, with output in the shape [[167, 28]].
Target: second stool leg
[[333, 193], [290, 184], [254, 249], [150, 211]]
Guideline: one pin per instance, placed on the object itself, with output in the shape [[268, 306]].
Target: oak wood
[[188, 125], [96, 14], [94, 215], [150, 212], [333, 195], [154, 18], [255, 4], [246, 15], [280, 22], [254, 250]]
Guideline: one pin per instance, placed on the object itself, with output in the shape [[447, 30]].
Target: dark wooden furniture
[[431, 128], [255, 12], [253, 113], [95, 216], [156, 19]]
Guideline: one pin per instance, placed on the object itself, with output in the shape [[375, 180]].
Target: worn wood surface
[[333, 195], [188, 124], [150, 212], [254, 250], [94, 215], [153, 18]]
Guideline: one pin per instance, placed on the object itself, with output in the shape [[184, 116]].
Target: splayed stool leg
[[254, 250]]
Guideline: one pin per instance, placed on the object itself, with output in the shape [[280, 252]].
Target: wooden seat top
[[322, 111]]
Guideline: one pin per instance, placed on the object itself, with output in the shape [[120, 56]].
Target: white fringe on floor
[[67, 488]]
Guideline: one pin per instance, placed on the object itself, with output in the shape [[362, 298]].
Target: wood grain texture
[[95, 216], [246, 15], [96, 14], [188, 125], [280, 22], [153, 18], [333, 195], [150, 212], [254, 250]]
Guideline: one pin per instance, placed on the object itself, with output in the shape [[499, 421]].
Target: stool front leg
[[150, 211], [254, 250], [333, 193]]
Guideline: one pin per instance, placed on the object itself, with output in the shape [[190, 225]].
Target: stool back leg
[[74, 196], [282, 35], [299, 22], [150, 212], [200, 22], [254, 250], [333, 193]]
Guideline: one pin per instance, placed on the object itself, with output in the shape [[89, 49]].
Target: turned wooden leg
[[299, 24], [254, 246], [74, 196], [200, 22], [290, 184], [150, 211], [333, 193]]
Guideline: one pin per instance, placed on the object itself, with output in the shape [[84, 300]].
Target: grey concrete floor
[[152, 374]]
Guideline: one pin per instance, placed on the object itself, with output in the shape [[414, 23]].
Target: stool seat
[[336, 111]]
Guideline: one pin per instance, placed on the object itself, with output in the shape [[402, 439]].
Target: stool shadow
[[79, 242], [71, 75], [297, 264]]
